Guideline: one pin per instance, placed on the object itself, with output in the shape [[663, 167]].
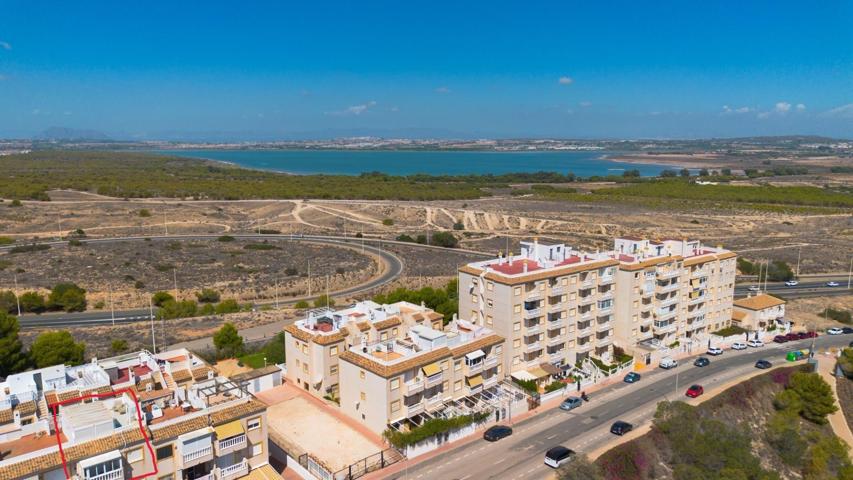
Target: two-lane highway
[[521, 455]]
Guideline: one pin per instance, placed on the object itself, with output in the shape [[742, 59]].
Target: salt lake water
[[402, 162]]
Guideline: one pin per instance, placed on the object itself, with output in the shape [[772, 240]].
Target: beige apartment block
[[201, 429], [671, 291], [554, 305], [313, 345], [759, 312], [404, 380]]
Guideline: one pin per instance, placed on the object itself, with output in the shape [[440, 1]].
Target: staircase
[[43, 410], [169, 381]]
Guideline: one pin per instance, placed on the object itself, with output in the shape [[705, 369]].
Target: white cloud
[[565, 80], [801, 107], [5, 45], [727, 110], [394, 109], [585, 104], [442, 90], [782, 107], [844, 111], [354, 109]]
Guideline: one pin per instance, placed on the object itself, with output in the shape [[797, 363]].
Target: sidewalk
[[826, 368]]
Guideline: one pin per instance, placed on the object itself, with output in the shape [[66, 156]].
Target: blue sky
[[564, 69]]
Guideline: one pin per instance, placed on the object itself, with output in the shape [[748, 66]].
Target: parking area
[[310, 425]]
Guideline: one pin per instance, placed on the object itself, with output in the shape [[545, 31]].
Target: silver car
[[571, 403]]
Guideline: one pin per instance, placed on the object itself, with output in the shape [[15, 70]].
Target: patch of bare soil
[[805, 311]]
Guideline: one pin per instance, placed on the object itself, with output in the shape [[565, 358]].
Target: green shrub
[[443, 300], [207, 295], [260, 246], [729, 331], [159, 298], [34, 247], [229, 305], [144, 213], [554, 386], [6, 241], [431, 428], [67, 296], [529, 386], [225, 238], [32, 302], [387, 222], [324, 301], [444, 239], [301, 304], [842, 316]]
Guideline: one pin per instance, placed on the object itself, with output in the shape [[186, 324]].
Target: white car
[[738, 346], [831, 284], [754, 288], [715, 351], [755, 343], [835, 331], [792, 283]]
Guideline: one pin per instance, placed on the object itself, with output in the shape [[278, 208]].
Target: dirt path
[[826, 367]]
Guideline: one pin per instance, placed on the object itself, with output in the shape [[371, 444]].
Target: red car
[[792, 336], [808, 334], [694, 391], [780, 339]]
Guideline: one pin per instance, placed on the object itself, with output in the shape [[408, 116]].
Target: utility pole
[[112, 307], [850, 273], [175, 278], [276, 293], [151, 314], [309, 278], [59, 225], [165, 225], [327, 291], [760, 266], [17, 296], [799, 251]]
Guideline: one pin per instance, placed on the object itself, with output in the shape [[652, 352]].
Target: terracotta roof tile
[[200, 373], [388, 323], [539, 274], [363, 326], [759, 302], [397, 368], [298, 333], [477, 344], [172, 430], [181, 376], [6, 416], [336, 337]]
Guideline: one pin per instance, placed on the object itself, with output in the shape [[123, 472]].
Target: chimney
[[525, 267]]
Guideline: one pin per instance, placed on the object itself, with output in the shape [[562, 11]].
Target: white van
[[668, 362]]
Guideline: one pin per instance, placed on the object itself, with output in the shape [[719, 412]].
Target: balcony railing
[[603, 327], [232, 443], [532, 313], [414, 409], [558, 290], [531, 347], [667, 288], [209, 476], [111, 475], [474, 368], [434, 380], [668, 301], [662, 314], [604, 311], [664, 328], [555, 356], [588, 283], [586, 315], [234, 471], [414, 387], [490, 362], [604, 341], [604, 280], [584, 347], [556, 340], [587, 299], [699, 299], [556, 306], [533, 294], [674, 272], [555, 324], [490, 382], [532, 330], [583, 332], [193, 456], [699, 272]]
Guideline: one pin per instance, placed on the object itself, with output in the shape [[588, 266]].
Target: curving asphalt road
[[395, 268]]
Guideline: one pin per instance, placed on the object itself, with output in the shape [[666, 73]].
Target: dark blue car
[[632, 377]]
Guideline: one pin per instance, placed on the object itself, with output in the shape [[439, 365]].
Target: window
[[515, 360], [457, 365], [500, 369], [489, 303], [384, 336], [564, 281], [394, 331], [395, 383], [516, 309], [164, 452], [445, 364], [457, 385], [257, 449], [305, 349], [516, 343], [498, 349], [333, 350], [362, 396], [333, 370], [490, 286], [253, 424], [634, 332], [361, 374], [516, 326], [445, 386], [572, 312], [573, 296], [135, 456], [489, 320], [395, 406], [474, 299], [574, 279], [634, 318], [517, 291]]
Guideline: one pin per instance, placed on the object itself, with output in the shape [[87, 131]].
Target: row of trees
[[443, 300], [63, 296], [170, 308], [439, 239], [776, 270], [49, 348]]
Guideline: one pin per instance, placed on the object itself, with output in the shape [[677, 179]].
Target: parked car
[[792, 336], [754, 288], [571, 403], [780, 339], [558, 455], [694, 391], [755, 343], [810, 334], [715, 351], [792, 283], [834, 331], [847, 330], [621, 428], [668, 362], [497, 432], [738, 346], [763, 364], [632, 377], [701, 362], [831, 284]]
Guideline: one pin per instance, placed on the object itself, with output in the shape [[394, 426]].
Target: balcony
[[556, 306], [665, 302], [603, 312], [605, 280], [473, 368], [532, 313], [434, 401], [532, 295], [584, 332], [111, 475], [414, 387], [665, 314], [587, 300], [604, 341], [584, 347], [667, 288], [667, 328], [557, 290], [414, 409], [474, 390], [586, 315], [230, 444], [490, 362], [197, 456], [589, 282], [645, 335], [533, 346], [697, 300], [556, 340], [603, 327], [434, 380], [557, 356], [234, 471], [209, 476], [672, 272], [532, 330], [698, 273], [556, 324], [490, 382]]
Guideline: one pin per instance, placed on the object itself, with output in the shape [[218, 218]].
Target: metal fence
[[374, 462]]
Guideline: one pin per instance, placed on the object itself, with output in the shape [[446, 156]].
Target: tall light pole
[[799, 251], [849, 273], [112, 307], [18, 297], [59, 225], [175, 279], [151, 314]]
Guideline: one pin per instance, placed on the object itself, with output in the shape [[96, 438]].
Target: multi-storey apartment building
[[313, 345], [168, 415], [554, 305], [558, 306], [671, 291], [404, 380]]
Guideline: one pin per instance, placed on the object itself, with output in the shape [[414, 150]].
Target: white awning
[[475, 355], [523, 375]]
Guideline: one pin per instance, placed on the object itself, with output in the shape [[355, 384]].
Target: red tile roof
[[516, 267]]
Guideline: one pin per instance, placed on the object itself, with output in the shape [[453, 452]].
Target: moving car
[[780, 339], [834, 331], [558, 455], [702, 362], [754, 288], [738, 346], [715, 351], [497, 432], [831, 284], [755, 343], [763, 364], [694, 391], [668, 362], [621, 428], [792, 283], [570, 403], [632, 377]]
